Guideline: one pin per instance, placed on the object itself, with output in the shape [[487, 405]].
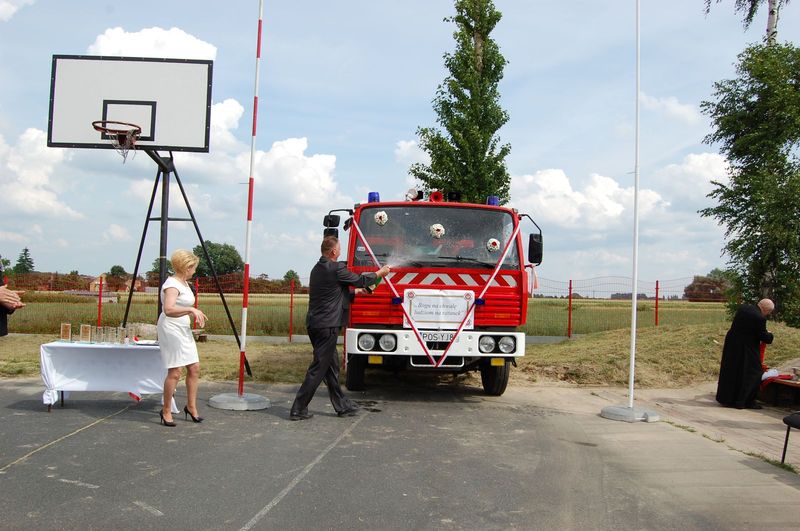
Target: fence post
[[100, 303], [656, 302], [291, 308], [569, 311]]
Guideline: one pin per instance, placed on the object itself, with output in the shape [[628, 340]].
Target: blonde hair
[[182, 260]]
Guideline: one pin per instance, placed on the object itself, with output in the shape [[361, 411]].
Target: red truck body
[[457, 292]]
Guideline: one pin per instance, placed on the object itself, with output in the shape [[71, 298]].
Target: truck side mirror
[[535, 247], [330, 232], [331, 220]]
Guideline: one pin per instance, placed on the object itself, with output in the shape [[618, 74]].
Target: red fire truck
[[457, 292]]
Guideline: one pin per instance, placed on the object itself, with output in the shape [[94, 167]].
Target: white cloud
[[549, 196], [115, 233], [152, 42], [286, 177], [671, 107], [225, 118], [408, 152], [11, 237], [691, 178], [9, 7], [295, 179], [25, 171]]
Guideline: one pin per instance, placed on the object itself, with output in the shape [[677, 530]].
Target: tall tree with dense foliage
[[24, 263], [756, 122], [467, 156], [750, 7], [292, 275], [224, 256]]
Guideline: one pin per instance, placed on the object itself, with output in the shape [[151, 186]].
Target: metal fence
[[278, 307]]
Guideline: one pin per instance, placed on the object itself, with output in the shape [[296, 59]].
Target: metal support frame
[[166, 167]]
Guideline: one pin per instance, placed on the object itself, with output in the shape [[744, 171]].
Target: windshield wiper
[[459, 258]]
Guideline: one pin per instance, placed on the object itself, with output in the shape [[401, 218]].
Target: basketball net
[[123, 135], [124, 142]]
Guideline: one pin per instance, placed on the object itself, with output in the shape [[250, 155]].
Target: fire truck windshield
[[406, 236]]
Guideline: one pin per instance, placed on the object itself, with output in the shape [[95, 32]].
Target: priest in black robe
[[740, 370]]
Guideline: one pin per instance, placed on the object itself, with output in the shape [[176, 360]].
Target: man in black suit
[[740, 369], [329, 298]]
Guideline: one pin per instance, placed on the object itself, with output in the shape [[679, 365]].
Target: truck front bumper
[[467, 344]]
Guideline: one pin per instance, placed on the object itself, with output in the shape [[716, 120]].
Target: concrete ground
[[421, 455]]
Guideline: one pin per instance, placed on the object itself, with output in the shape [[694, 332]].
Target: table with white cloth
[[135, 369]]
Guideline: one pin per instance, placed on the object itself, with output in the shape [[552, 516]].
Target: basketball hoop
[[123, 135]]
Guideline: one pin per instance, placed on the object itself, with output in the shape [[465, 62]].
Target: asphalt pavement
[[421, 455]]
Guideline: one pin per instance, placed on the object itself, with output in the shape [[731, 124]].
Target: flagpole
[[629, 413], [634, 297]]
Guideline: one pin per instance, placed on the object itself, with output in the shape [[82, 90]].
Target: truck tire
[[354, 380], [495, 379]]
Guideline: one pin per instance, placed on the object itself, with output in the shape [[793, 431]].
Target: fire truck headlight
[[486, 344], [507, 344], [387, 342], [366, 342]]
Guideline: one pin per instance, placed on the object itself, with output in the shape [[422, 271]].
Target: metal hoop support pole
[[141, 247]]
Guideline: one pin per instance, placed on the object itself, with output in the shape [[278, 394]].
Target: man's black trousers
[[324, 367]]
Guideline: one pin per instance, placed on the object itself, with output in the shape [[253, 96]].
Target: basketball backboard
[[170, 99]]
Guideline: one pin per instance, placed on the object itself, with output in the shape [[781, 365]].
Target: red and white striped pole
[[250, 183]]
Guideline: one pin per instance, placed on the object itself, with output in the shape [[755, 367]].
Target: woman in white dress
[[175, 338]]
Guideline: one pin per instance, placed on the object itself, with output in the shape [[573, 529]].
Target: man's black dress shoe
[[352, 412], [300, 416], [754, 406]]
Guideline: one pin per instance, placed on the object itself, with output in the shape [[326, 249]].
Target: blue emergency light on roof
[[373, 197], [493, 200]]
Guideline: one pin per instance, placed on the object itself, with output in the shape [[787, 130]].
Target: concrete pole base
[[628, 414], [232, 401]]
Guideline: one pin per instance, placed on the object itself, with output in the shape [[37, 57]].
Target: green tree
[[466, 156], [117, 271], [152, 275], [155, 268], [24, 263], [756, 122], [292, 275], [116, 277], [225, 257], [4, 264], [750, 8]]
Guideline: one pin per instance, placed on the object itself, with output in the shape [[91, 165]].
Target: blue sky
[[344, 86]]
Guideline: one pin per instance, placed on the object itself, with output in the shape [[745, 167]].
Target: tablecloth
[[135, 369]]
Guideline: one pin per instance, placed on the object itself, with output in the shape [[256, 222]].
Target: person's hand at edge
[[10, 299]]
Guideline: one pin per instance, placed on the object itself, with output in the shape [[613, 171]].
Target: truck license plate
[[437, 336]]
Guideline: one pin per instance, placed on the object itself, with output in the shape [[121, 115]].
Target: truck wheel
[[354, 380], [495, 379]]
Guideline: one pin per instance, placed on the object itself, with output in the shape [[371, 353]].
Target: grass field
[[684, 348], [666, 356], [269, 314]]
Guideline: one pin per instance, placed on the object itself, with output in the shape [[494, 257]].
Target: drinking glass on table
[[109, 334]]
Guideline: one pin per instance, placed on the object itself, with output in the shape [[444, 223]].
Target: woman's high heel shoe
[[164, 421], [186, 413]]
